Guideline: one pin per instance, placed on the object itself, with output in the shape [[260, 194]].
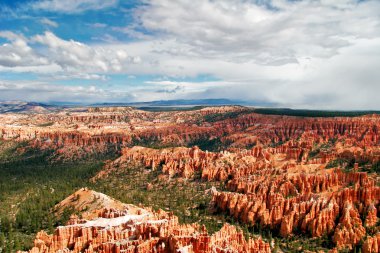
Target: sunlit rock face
[[372, 244], [78, 132], [267, 187], [291, 175], [129, 228]]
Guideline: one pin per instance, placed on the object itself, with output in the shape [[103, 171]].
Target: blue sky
[[302, 54]]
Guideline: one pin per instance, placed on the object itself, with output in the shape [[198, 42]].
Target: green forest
[[31, 184]]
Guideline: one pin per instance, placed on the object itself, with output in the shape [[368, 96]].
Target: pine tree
[[2, 240], [17, 244]]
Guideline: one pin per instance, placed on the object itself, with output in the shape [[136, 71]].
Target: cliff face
[[135, 229], [372, 244], [288, 174], [274, 188], [304, 207], [113, 128]]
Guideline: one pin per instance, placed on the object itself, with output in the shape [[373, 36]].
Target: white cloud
[[305, 54], [347, 81], [98, 25], [72, 55], [244, 31], [18, 52], [182, 88], [42, 91], [72, 6], [71, 76], [48, 22], [54, 55]]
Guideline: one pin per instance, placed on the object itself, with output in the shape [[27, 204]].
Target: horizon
[[191, 104], [318, 55]]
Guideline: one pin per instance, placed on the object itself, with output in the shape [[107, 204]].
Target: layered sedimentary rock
[[288, 174], [350, 229], [89, 203], [372, 244], [273, 188], [135, 229], [308, 205], [234, 127]]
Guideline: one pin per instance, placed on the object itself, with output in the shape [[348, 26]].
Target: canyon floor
[[205, 179]]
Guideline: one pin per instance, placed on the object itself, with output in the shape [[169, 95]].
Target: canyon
[[130, 228], [264, 187], [316, 177]]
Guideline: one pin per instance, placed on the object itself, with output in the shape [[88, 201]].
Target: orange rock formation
[[134, 229], [274, 167], [112, 128], [267, 187]]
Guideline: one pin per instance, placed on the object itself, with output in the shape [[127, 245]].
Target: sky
[[313, 54]]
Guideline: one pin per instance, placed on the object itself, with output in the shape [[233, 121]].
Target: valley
[[230, 178]]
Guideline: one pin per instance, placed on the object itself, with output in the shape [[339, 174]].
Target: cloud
[[173, 90], [132, 31], [73, 76], [274, 33], [18, 52], [72, 55], [106, 38], [304, 54], [187, 86], [98, 25], [72, 6], [42, 91], [347, 81], [48, 22], [53, 54]]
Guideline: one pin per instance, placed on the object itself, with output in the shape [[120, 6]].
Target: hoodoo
[[134, 229]]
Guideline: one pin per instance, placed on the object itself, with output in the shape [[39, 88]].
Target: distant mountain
[[25, 107], [35, 107], [179, 102]]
